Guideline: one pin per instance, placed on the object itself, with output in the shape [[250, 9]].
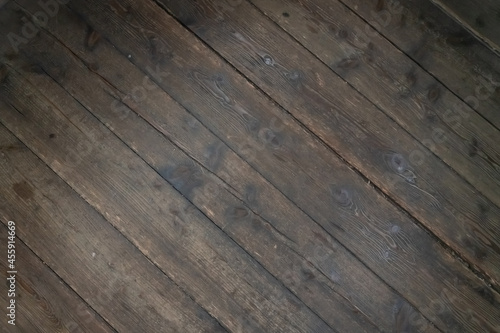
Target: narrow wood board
[[482, 18], [44, 303], [96, 13]]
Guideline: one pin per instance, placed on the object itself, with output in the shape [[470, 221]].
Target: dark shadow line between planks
[[381, 34], [270, 183], [204, 168], [61, 280], [113, 226], [223, 181], [481, 274], [376, 106], [485, 40], [188, 200], [432, 236], [476, 270]]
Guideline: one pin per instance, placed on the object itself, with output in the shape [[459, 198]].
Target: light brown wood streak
[[339, 122], [212, 197], [130, 294], [314, 204]]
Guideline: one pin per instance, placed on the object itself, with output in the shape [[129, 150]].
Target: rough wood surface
[[44, 302], [356, 129], [310, 272], [398, 86], [441, 46], [210, 97], [248, 217], [102, 266], [482, 18]]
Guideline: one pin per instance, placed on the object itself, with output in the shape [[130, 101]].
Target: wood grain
[[217, 92], [190, 249], [285, 240], [44, 302], [91, 256], [356, 129], [440, 46], [482, 18], [415, 100]]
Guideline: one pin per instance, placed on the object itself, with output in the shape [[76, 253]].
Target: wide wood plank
[[357, 130], [289, 258], [482, 18], [102, 266], [441, 46], [44, 303], [100, 17]]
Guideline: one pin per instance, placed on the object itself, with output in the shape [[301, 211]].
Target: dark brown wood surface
[[482, 18], [439, 45], [219, 177], [357, 130]]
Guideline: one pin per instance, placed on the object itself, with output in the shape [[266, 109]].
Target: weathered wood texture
[[205, 205], [265, 201], [87, 252], [441, 46], [482, 18], [228, 94], [357, 130], [44, 302]]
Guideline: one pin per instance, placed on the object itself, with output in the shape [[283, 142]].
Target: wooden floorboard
[[403, 169], [482, 18], [92, 257], [440, 46], [205, 171], [45, 303]]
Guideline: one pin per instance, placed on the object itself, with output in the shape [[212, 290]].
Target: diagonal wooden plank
[[88, 253], [275, 252], [44, 303], [414, 177], [439, 45], [102, 18], [194, 252], [479, 17], [398, 86]]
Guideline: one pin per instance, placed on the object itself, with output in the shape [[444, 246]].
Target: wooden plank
[[44, 303], [441, 46], [356, 130], [196, 254], [431, 281], [396, 85], [288, 258], [92, 257], [482, 18]]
